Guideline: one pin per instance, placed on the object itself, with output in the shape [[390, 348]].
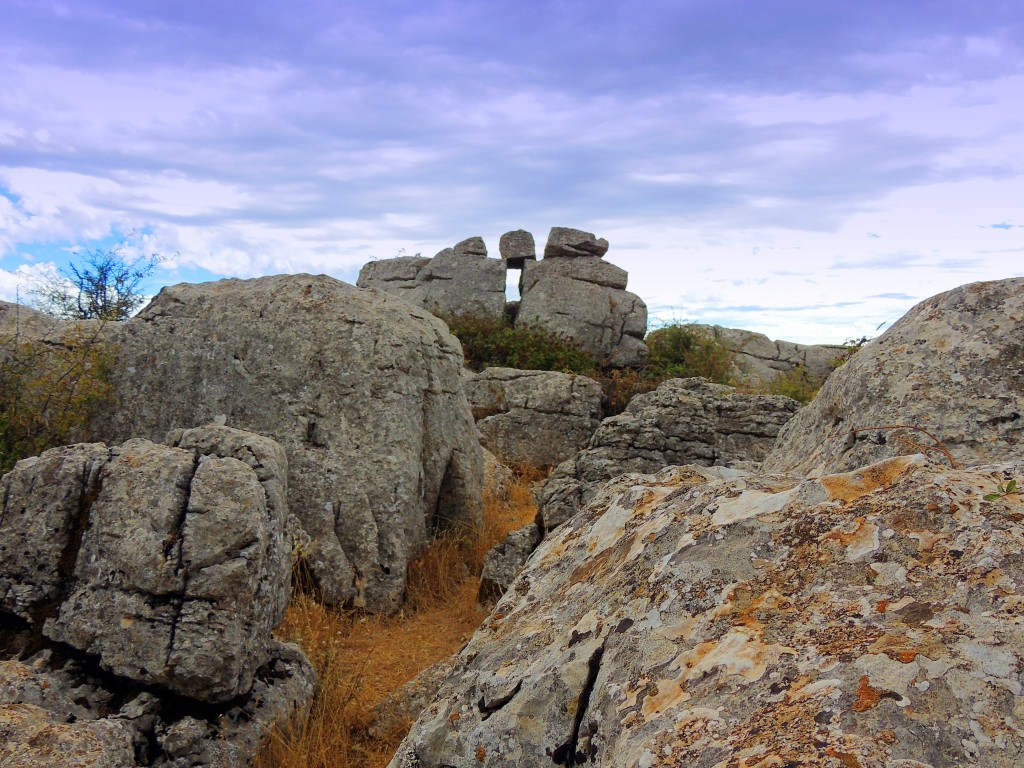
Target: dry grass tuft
[[361, 658]]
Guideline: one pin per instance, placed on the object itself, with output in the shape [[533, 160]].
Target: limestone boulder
[[573, 298], [516, 248], [952, 366], [683, 421], [567, 243], [535, 418], [458, 280], [758, 360], [708, 617], [361, 389], [175, 549]]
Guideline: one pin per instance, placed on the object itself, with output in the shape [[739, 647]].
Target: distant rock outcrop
[[683, 421], [575, 294], [757, 360], [953, 365], [138, 571], [535, 418], [361, 389], [712, 617], [459, 280]]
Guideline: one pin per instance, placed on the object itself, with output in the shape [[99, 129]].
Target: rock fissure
[[569, 754], [178, 539], [489, 708]]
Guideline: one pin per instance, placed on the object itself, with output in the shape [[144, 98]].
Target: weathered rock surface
[[459, 280], [953, 365], [25, 322], [504, 562], [564, 242], [536, 418], [360, 388], [498, 478], [709, 617], [516, 248], [573, 298], [683, 421], [758, 360], [400, 708], [55, 714], [143, 570], [177, 549]]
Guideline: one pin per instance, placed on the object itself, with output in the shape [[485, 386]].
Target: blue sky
[[808, 169]]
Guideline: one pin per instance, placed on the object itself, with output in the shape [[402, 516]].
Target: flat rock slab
[[709, 617]]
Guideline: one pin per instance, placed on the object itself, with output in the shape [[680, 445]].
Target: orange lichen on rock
[[850, 486]]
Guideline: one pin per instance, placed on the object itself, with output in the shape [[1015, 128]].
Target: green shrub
[[50, 391], [493, 342], [796, 383], [680, 350]]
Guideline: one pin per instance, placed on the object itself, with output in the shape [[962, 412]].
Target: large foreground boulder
[[953, 366], [183, 552], [535, 418], [360, 388], [139, 586], [710, 617], [683, 421]]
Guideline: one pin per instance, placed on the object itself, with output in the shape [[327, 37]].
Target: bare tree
[[103, 285]]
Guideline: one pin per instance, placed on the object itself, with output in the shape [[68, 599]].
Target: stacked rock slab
[[683, 421], [360, 388], [517, 248], [166, 567], [534, 418], [757, 360], [459, 280], [575, 294], [953, 366], [712, 617]]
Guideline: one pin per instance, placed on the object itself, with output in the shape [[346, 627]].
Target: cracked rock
[[683, 421]]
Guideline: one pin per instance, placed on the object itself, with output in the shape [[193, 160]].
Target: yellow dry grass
[[361, 658]]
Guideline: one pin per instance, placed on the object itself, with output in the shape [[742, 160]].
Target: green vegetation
[[1004, 489], [681, 350], [51, 390], [492, 342], [797, 384]]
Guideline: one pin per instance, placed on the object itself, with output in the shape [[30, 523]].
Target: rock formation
[[953, 365], [516, 248], [683, 421], [141, 583], [713, 617], [575, 294], [459, 280], [536, 418], [361, 389], [757, 360]]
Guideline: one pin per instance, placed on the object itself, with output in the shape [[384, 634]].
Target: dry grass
[[362, 658]]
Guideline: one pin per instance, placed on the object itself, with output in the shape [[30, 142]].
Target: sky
[[808, 169]]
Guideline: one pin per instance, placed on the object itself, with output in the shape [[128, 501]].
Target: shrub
[[681, 350], [797, 384], [493, 342], [51, 390]]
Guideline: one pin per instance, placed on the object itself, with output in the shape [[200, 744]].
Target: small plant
[[1004, 489], [852, 347]]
